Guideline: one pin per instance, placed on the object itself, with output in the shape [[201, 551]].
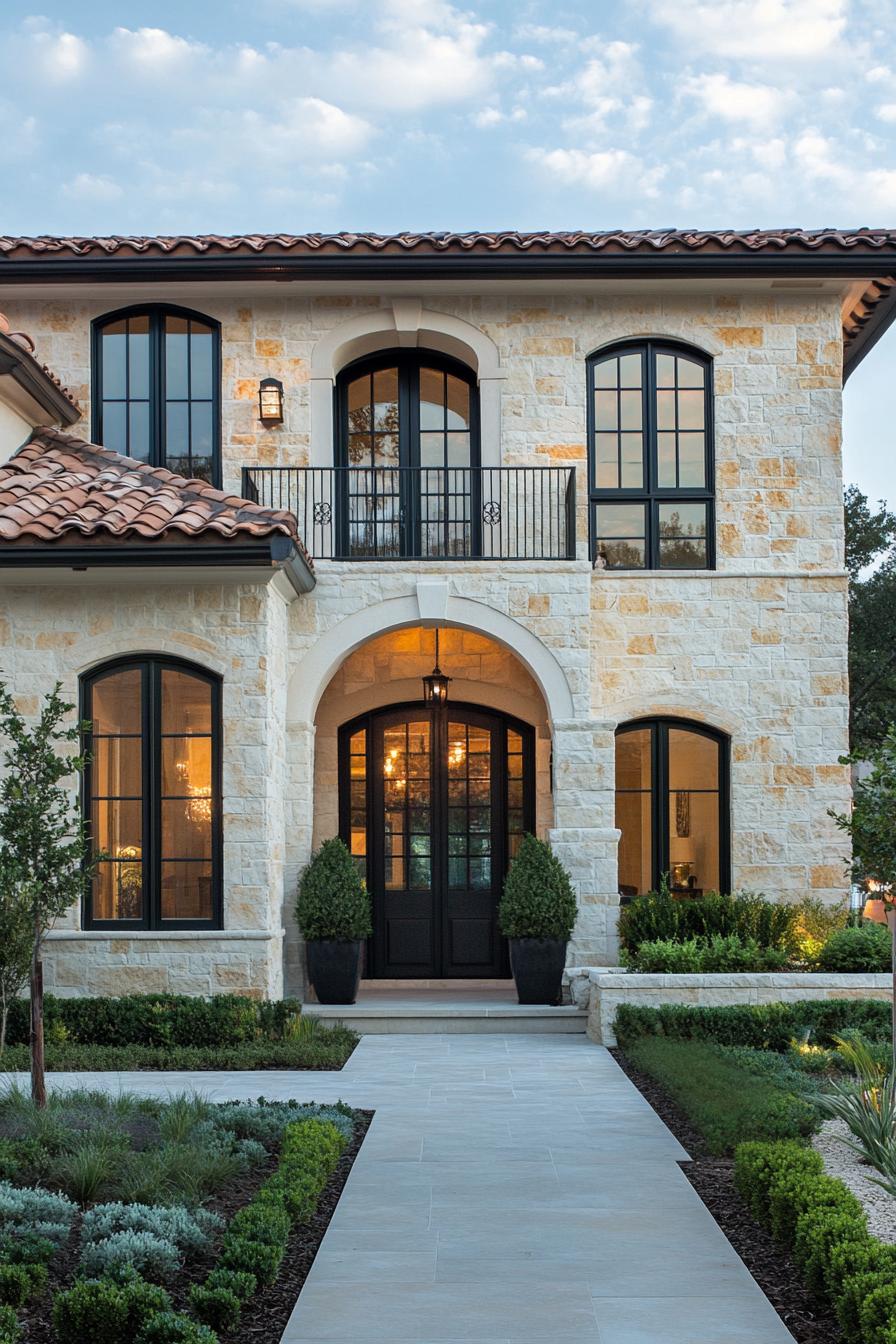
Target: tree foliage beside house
[[871, 541]]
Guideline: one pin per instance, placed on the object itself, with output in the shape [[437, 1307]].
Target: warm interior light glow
[[270, 401]]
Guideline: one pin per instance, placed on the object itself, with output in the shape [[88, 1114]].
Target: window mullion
[[650, 456], [153, 791], [157, 389]]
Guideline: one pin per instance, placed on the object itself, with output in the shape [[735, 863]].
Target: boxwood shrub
[[823, 1225], [864, 948], [745, 914], [10, 1330], [100, 1311], [762, 1026]]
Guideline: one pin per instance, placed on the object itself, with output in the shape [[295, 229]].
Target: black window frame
[[156, 313], [408, 362], [651, 495], [151, 668], [660, 727]]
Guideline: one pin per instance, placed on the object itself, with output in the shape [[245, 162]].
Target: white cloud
[[886, 112], [154, 49], [92, 187], [62, 56], [758, 104], [767, 30], [614, 171]]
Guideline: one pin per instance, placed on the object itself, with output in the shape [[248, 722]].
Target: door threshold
[[458, 984]]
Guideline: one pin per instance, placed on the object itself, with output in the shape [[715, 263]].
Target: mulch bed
[[808, 1320], [264, 1317]]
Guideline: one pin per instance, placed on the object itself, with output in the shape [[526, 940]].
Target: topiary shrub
[[10, 1330], [172, 1327], [215, 1306], [235, 1281], [538, 899], [333, 902], [100, 1311], [865, 948], [255, 1257]]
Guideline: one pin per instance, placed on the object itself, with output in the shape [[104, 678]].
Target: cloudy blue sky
[[287, 115]]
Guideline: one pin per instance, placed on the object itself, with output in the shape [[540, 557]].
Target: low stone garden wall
[[602, 989]]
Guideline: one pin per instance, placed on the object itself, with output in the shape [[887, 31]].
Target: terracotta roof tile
[[26, 344], [58, 487], [617, 241]]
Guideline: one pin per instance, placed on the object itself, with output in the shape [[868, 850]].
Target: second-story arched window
[[650, 457], [156, 388]]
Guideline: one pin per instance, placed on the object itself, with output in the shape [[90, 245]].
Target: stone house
[[596, 478]]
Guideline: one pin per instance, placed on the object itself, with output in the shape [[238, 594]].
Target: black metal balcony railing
[[425, 513]]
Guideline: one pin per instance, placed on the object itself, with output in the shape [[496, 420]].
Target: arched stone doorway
[[433, 801]]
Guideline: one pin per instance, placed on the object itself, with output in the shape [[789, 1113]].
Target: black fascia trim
[[183, 556], [868, 335], [869, 263]]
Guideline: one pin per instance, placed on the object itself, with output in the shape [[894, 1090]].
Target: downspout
[[293, 563]]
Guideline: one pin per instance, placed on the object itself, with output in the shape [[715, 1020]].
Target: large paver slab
[[511, 1190]]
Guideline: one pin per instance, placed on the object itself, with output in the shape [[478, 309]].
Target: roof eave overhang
[[389, 266], [36, 384], [276, 553], [862, 341]]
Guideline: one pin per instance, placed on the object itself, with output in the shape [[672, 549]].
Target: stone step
[[496, 1013]]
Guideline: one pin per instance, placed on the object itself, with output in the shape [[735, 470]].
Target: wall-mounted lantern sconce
[[435, 686], [270, 401]]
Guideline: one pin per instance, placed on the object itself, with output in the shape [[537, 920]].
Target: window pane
[[201, 428], [635, 856], [177, 437], [138, 356], [115, 426], [186, 891], [633, 759], [176, 358], [606, 463], [117, 827], [693, 822], [116, 702], [665, 461], [665, 410], [691, 460], [114, 354], [359, 414], [186, 828], [682, 520], [116, 768], [385, 393], [620, 535], [458, 397], [201, 361], [632, 461], [630, 410], [138, 423], [665, 371], [432, 452], [630, 370], [186, 703], [187, 766], [458, 448], [118, 890], [683, 553], [606, 373], [693, 760], [690, 373], [690, 410], [432, 397], [606, 410], [202, 468]]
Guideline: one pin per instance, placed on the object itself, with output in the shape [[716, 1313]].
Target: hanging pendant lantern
[[435, 686]]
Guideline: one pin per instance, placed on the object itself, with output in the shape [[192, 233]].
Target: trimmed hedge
[[328, 1048], [700, 956], [728, 1095], [658, 916], [864, 948], [156, 1020], [823, 1225], [762, 1026]]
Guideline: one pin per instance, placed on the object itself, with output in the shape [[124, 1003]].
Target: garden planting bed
[[249, 1180], [808, 1320]]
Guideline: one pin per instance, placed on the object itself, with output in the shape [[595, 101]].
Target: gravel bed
[[848, 1167]]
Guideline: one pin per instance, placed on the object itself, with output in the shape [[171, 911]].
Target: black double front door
[[433, 803]]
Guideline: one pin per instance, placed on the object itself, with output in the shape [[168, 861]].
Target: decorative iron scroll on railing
[[425, 513]]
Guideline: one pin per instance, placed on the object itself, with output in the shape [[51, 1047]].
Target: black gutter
[[278, 552], [868, 262]]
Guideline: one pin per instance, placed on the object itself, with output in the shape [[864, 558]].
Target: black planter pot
[[334, 969], [537, 965]]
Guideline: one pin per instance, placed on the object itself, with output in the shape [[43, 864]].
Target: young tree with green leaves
[[872, 828], [43, 838], [15, 941], [871, 541]]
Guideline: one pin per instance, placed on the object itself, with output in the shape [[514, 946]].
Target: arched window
[[672, 806], [650, 457], [153, 794], [408, 446], [156, 389]]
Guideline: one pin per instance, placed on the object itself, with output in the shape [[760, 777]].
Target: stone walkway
[[511, 1190]]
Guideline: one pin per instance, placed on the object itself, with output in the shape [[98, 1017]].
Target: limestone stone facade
[[755, 648]]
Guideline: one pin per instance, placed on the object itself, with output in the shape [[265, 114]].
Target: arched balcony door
[[408, 449], [433, 804]]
